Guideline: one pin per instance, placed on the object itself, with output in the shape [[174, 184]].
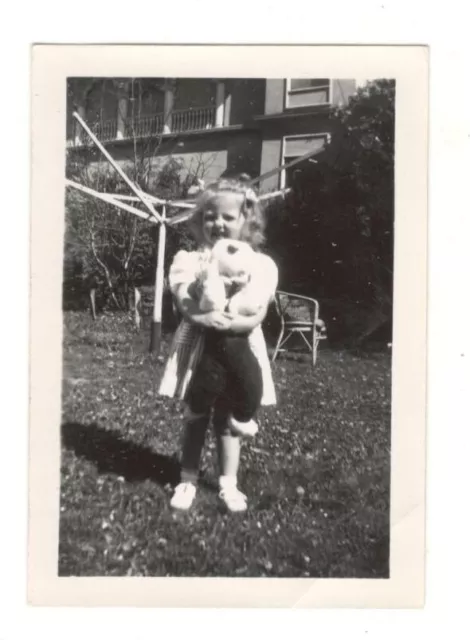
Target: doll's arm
[[213, 294], [245, 302], [244, 324]]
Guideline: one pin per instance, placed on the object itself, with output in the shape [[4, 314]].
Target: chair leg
[[310, 346], [314, 345], [278, 345]]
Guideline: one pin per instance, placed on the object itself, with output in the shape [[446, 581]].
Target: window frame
[[321, 134], [289, 91]]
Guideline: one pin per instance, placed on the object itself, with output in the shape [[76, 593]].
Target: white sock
[[227, 482], [249, 428]]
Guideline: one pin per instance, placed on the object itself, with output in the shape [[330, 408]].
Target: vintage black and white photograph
[[227, 307]]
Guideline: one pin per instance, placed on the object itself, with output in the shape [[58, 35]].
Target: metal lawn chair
[[299, 315]]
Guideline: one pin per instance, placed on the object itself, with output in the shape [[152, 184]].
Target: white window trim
[[326, 135], [288, 91]]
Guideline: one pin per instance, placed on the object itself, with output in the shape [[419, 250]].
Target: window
[[306, 92], [296, 146]]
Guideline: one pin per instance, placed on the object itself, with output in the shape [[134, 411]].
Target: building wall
[[342, 91], [303, 123], [208, 152], [218, 151], [244, 153], [275, 90], [271, 152], [213, 162], [246, 99]]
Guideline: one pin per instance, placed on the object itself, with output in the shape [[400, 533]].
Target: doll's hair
[[252, 231]]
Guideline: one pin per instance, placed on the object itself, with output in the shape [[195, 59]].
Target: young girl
[[225, 209], [233, 282]]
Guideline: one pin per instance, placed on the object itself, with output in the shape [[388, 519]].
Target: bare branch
[[104, 268]]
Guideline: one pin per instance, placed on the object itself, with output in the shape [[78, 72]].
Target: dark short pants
[[229, 371]]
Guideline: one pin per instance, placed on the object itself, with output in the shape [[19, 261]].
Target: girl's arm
[[190, 310]]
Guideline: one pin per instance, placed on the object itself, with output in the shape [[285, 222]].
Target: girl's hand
[[241, 280], [216, 320], [237, 281]]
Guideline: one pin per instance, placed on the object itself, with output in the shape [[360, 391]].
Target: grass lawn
[[317, 474]]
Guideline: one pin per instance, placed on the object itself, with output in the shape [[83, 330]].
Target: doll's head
[[229, 209], [234, 258]]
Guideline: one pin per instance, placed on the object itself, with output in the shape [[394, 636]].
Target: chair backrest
[[297, 308]]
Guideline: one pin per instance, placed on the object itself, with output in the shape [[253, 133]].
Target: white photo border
[[408, 65]]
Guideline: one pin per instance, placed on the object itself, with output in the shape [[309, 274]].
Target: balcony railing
[[143, 126], [105, 130], [193, 119], [179, 121]]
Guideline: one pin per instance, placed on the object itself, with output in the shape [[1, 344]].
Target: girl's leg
[[208, 377], [209, 380], [228, 446], [193, 443]]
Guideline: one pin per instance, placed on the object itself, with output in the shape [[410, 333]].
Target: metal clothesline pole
[[288, 165], [156, 328], [150, 198]]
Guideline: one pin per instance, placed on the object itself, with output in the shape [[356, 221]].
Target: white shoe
[[183, 496], [234, 499], [244, 429]]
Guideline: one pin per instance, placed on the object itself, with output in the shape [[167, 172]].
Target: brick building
[[218, 125]]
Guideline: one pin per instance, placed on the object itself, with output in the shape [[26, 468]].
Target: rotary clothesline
[[160, 218], [120, 202]]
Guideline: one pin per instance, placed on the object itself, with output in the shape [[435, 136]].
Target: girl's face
[[223, 218]]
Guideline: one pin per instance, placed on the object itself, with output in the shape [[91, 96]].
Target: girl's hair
[[252, 231]]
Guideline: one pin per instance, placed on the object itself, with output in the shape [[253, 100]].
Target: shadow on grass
[[111, 453]]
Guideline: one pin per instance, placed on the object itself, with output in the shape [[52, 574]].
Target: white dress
[[188, 341]]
